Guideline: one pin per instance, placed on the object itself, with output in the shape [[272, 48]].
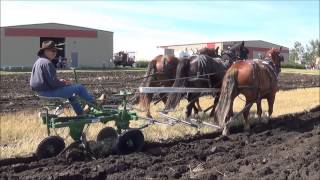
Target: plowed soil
[[15, 93], [286, 148]]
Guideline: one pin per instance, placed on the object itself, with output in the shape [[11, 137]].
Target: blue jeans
[[68, 93]]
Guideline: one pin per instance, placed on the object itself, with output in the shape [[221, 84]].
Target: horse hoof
[[265, 120], [246, 128], [225, 132]]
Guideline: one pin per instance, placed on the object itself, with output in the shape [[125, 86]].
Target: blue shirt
[[44, 76]]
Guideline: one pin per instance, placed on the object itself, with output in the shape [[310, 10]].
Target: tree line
[[305, 54]]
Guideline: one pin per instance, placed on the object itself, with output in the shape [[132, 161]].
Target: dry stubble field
[[22, 131], [283, 149]]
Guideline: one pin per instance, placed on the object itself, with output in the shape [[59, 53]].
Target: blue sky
[[143, 25]]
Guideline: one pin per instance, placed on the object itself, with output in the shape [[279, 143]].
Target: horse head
[[276, 58]]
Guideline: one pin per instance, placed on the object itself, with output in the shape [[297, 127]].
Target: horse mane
[[208, 51], [235, 46], [273, 51]]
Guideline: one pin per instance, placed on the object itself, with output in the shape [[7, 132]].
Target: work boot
[[86, 109], [102, 99]]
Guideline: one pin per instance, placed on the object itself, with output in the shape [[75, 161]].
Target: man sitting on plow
[[45, 82]]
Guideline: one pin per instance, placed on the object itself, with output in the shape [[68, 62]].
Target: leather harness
[[271, 72]]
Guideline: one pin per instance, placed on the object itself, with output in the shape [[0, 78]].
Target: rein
[[189, 77]]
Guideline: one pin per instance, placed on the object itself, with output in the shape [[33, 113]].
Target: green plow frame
[[122, 117]]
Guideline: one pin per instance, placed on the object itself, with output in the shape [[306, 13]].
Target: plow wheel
[[75, 152], [50, 147], [106, 141], [130, 141]]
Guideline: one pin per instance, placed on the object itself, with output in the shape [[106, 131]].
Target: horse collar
[[269, 64]]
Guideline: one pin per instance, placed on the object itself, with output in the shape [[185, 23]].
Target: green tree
[[296, 52], [312, 51]]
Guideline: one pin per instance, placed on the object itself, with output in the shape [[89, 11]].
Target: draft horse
[[256, 80], [161, 72], [199, 72]]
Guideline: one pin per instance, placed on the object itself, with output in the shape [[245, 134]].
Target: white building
[[82, 47], [255, 47]]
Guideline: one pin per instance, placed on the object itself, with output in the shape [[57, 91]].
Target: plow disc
[[75, 152], [131, 140], [106, 141], [50, 147]]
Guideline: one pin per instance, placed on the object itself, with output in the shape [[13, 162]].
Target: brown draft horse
[[159, 72], [256, 80]]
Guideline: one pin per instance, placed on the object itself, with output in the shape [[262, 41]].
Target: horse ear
[[280, 48], [217, 48]]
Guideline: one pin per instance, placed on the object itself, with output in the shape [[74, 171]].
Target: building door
[[74, 59]]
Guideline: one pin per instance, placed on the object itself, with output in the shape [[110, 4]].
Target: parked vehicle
[[124, 58]]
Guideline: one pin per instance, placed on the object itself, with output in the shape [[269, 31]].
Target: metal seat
[[53, 103], [52, 100]]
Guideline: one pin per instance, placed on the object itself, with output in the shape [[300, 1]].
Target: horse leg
[[163, 97], [270, 100], [148, 113], [259, 109], [198, 105], [245, 116], [195, 109], [216, 100], [195, 102], [147, 104], [190, 105]]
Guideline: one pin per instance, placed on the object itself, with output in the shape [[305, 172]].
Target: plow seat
[[53, 105], [52, 101]]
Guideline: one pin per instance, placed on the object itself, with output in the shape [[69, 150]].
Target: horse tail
[[181, 73], [145, 99], [228, 90]]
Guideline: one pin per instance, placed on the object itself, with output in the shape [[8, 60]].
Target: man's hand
[[66, 82]]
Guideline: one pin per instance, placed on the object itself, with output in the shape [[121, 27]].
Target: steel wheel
[[106, 141], [50, 147], [130, 141]]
